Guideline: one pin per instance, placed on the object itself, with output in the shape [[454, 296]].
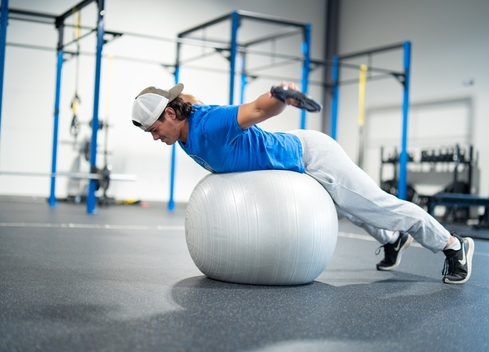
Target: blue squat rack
[[59, 22]]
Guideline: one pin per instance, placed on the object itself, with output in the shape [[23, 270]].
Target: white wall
[[450, 44], [27, 119]]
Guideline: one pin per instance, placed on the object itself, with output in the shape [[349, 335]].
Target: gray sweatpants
[[358, 198]]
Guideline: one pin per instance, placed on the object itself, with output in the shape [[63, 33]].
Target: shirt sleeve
[[221, 124]]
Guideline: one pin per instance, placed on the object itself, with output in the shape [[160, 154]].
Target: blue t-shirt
[[216, 142]]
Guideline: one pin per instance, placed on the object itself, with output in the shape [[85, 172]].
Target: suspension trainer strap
[[361, 94], [361, 112], [75, 125]]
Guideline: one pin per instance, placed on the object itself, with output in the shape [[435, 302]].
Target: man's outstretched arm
[[261, 109]]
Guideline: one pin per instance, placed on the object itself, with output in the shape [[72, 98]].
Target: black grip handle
[[304, 102]]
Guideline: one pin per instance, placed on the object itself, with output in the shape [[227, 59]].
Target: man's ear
[[171, 113]]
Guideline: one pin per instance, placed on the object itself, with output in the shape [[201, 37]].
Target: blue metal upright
[[306, 67], [3, 42], [336, 94], [403, 157], [59, 66], [171, 201], [235, 18], [244, 79], [92, 186]]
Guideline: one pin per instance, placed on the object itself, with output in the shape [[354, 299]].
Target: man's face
[[167, 131]]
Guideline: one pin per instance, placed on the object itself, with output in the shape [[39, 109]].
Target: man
[[227, 139]]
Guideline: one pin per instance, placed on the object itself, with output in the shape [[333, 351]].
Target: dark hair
[[182, 108]]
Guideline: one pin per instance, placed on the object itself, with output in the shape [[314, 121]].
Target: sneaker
[[458, 264], [393, 252]]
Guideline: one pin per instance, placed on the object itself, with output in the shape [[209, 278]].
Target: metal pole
[[403, 158], [232, 59], [52, 193], [331, 48], [59, 66], [336, 93], [306, 64], [3, 41], [244, 79], [91, 199], [171, 201], [373, 51]]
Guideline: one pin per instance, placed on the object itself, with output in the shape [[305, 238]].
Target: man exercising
[[227, 139]]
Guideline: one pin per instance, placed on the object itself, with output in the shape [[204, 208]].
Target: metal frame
[[402, 77], [59, 23], [234, 47], [4, 13]]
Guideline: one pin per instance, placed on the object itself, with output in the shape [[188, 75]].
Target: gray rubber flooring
[[123, 281]]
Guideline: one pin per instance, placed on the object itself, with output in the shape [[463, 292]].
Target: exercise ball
[[268, 227]]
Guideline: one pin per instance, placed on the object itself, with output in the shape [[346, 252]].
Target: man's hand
[[287, 86], [289, 94]]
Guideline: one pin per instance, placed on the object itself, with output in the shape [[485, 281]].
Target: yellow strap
[[361, 94], [77, 24], [74, 106]]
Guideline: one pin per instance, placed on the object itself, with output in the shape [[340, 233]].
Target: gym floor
[[123, 280]]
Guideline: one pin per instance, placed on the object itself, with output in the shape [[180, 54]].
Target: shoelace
[[377, 251], [449, 266]]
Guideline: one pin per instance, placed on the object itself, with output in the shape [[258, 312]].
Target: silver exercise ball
[[263, 227]]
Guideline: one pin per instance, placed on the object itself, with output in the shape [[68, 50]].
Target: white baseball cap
[[150, 104]]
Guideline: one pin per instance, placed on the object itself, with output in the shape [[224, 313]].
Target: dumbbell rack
[[455, 155], [454, 200], [452, 155]]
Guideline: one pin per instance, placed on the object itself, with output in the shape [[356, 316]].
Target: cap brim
[[175, 91]]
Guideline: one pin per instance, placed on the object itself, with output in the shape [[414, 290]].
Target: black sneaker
[[393, 252], [458, 264]]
